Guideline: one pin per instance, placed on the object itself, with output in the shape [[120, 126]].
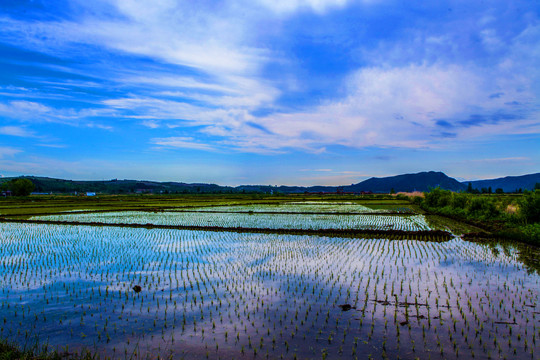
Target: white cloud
[[394, 107], [16, 131], [212, 43], [54, 146], [31, 111], [289, 6], [6, 151], [150, 124], [21, 109], [501, 160], [182, 142]]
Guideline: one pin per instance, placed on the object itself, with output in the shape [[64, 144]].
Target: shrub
[[532, 233], [529, 207], [438, 198], [417, 200], [460, 201], [402, 197], [483, 208]]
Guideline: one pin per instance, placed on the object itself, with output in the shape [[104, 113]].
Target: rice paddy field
[[143, 293], [251, 220]]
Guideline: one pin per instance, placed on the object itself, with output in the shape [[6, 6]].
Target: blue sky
[[269, 91]]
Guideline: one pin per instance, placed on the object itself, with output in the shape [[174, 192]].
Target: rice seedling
[[267, 220]]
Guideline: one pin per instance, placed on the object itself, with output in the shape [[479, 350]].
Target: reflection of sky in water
[[74, 286]]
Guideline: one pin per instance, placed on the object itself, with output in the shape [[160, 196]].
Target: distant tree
[[484, 190], [537, 186], [499, 191], [20, 187], [489, 190], [469, 188], [392, 191]]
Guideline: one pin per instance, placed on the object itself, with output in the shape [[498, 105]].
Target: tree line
[[18, 187]]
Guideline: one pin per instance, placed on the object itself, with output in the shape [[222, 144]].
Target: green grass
[[490, 213], [457, 227], [10, 351]]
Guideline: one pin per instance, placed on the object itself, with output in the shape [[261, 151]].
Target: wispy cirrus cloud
[[291, 6], [501, 160], [6, 151], [34, 112], [16, 131], [185, 142]]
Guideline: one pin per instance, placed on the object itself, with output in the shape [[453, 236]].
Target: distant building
[[6, 193], [90, 194]]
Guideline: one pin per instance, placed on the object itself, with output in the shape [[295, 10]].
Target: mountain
[[508, 183], [422, 181]]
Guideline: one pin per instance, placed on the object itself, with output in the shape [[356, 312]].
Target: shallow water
[[229, 295]]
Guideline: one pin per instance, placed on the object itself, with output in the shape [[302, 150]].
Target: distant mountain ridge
[[508, 183], [115, 186], [422, 181]]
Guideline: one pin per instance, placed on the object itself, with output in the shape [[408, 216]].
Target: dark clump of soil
[[137, 288], [346, 307]]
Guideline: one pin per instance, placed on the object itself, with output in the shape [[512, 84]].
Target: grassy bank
[[9, 351], [515, 217]]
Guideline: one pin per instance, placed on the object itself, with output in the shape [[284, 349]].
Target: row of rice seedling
[[139, 293], [295, 207], [262, 221]]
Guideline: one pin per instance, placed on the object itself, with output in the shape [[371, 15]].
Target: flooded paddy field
[[255, 219], [142, 293]]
